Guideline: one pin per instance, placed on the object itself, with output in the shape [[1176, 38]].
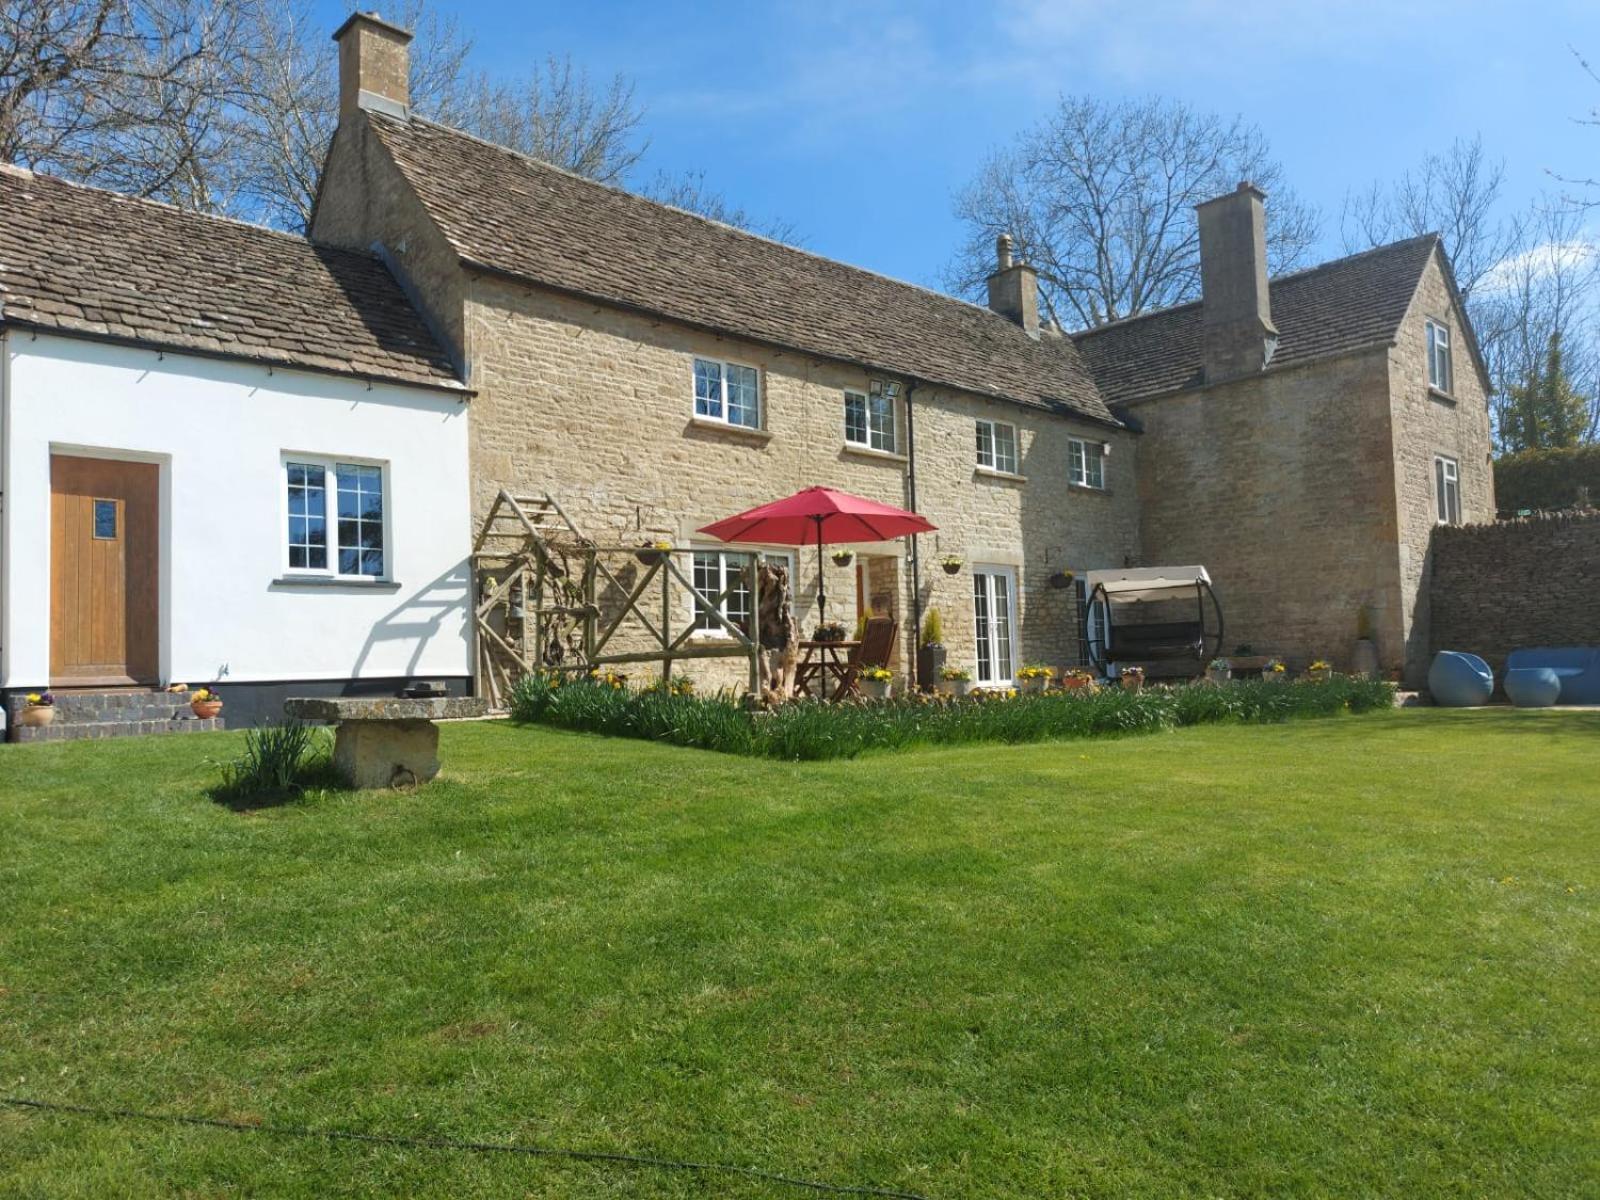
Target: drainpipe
[[911, 503]]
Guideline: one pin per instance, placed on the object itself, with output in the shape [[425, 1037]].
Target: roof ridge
[[701, 217], [27, 174], [1287, 277]]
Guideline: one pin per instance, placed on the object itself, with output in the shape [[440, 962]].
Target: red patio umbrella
[[822, 515]]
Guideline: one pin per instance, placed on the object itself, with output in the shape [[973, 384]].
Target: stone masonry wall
[[595, 405], [1516, 584], [1428, 423], [1280, 486]]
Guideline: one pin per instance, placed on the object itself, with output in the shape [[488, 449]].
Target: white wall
[[218, 430]]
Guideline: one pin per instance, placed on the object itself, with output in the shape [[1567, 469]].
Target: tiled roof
[[1339, 306], [84, 261], [513, 214]]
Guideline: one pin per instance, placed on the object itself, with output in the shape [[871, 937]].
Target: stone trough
[[383, 741]]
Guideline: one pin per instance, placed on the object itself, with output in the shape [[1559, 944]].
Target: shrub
[[808, 730], [278, 761], [932, 628], [1548, 479]]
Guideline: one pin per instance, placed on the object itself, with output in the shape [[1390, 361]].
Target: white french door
[[994, 610]]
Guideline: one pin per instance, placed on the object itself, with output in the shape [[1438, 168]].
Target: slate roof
[[513, 214], [79, 260], [1337, 307]]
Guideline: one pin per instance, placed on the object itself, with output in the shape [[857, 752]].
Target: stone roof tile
[[80, 260]]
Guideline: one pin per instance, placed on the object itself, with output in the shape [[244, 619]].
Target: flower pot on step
[[206, 710], [36, 716]]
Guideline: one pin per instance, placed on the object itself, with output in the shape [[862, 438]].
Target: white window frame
[[994, 463], [1078, 456], [1441, 366], [1447, 489], [880, 429], [724, 553], [997, 640], [720, 417], [330, 464]]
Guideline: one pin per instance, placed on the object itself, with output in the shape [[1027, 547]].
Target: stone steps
[[124, 712]]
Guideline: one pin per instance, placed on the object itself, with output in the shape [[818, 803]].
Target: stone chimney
[[1238, 334], [374, 66], [1014, 288]]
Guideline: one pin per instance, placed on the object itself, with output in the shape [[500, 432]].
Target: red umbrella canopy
[[817, 515]]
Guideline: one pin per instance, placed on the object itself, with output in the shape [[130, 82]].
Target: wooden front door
[[104, 552]]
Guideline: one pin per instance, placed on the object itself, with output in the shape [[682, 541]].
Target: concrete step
[[119, 712], [70, 731]]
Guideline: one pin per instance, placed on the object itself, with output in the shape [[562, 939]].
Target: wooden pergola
[[546, 598]]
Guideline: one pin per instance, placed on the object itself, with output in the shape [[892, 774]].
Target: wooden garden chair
[[875, 649]]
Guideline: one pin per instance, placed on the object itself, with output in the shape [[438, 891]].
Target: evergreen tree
[[1546, 410]]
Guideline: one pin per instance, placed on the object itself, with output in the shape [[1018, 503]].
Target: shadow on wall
[[420, 618]]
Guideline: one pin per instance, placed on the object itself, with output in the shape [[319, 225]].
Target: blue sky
[[858, 119]]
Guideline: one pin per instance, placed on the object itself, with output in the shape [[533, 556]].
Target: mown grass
[[811, 731], [1323, 958]]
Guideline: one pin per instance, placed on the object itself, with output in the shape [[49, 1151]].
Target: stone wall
[[1428, 423], [1281, 486], [595, 405], [1522, 583]]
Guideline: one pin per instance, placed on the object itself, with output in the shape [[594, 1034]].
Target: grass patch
[[1321, 958], [814, 731]]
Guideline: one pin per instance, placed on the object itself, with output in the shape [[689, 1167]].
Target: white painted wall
[[219, 430]]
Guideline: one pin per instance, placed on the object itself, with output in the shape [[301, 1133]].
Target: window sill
[[1442, 396], [868, 452], [761, 436], [333, 581], [1002, 476], [1088, 489]]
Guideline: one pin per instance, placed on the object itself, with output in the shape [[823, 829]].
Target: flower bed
[[811, 731]]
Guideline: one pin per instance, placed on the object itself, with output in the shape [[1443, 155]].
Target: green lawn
[[1348, 957]]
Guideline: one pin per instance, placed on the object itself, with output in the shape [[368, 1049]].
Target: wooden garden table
[[824, 666]]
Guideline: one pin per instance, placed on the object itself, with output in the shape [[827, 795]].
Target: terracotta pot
[[206, 710], [37, 716], [1073, 683], [1131, 683]]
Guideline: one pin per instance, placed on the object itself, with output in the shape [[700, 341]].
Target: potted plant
[[1319, 670], [1274, 671], [651, 552], [205, 703], [38, 709], [1078, 680], [829, 631], [931, 655], [952, 564], [843, 558], [875, 683], [1219, 670], [1035, 677], [1131, 678], [1062, 579], [954, 681]]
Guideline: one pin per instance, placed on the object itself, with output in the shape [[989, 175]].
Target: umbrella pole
[[822, 580]]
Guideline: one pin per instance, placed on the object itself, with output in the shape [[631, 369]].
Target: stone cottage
[[656, 371]]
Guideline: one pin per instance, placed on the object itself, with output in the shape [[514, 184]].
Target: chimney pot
[[1014, 288], [374, 66], [1235, 302]]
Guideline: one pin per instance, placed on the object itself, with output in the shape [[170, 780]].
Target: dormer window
[[1440, 372]]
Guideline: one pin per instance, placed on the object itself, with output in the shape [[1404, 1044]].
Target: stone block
[[386, 753]]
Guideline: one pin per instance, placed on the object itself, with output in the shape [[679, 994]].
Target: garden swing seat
[[1139, 615]]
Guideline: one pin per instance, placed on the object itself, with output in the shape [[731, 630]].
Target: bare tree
[[1099, 198], [229, 105], [1456, 194], [692, 193], [1548, 291], [129, 94]]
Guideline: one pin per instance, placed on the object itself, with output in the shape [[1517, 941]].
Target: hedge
[[1548, 479]]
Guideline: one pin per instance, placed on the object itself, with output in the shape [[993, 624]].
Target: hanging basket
[[952, 566], [1062, 579], [843, 558]]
